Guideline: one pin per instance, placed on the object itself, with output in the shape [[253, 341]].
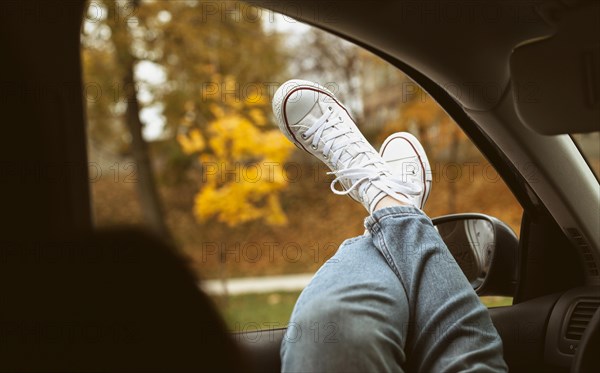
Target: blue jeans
[[391, 300]]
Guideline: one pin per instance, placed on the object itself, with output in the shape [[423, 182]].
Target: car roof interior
[[493, 67]]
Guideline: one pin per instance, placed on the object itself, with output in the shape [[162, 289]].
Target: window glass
[[181, 138]]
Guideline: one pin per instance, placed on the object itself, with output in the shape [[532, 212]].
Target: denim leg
[[349, 318], [449, 328], [395, 300]]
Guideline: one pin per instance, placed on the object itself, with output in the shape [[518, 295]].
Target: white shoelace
[[334, 143], [363, 176], [370, 172]]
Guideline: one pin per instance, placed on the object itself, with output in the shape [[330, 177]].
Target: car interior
[[499, 69]]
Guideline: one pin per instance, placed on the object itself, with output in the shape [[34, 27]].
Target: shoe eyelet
[[325, 156], [340, 118], [314, 147], [304, 137], [327, 121], [330, 108]]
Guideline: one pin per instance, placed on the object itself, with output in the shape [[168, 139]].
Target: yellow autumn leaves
[[242, 164]]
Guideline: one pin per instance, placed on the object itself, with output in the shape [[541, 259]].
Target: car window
[[181, 139]]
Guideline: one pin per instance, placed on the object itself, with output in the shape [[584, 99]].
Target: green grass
[[493, 301], [257, 311], [267, 311]]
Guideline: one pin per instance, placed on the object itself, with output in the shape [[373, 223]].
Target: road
[[266, 284]]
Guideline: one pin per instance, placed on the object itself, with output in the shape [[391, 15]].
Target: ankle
[[388, 202]]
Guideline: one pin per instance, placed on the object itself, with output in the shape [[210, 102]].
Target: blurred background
[[182, 140]]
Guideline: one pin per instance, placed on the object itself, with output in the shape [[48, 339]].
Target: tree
[[113, 113], [105, 119], [126, 60], [221, 69], [238, 141], [209, 81]]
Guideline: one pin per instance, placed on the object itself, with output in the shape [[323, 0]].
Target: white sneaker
[[407, 160], [312, 118]]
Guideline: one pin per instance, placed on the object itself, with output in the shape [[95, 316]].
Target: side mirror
[[485, 249]]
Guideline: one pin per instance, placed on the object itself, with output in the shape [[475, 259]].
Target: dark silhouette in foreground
[[113, 301]]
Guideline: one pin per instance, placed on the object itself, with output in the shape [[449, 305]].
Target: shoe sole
[[418, 148]]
